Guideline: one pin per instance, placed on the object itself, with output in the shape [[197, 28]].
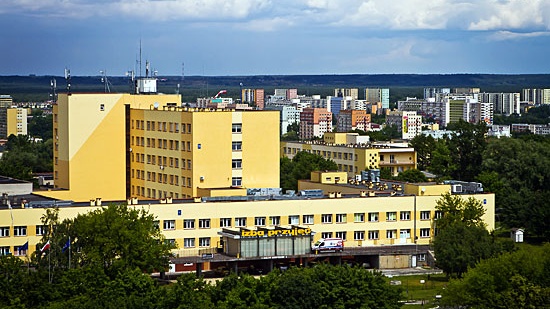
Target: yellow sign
[[277, 232]]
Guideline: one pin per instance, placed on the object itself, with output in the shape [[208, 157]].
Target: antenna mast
[[68, 79]]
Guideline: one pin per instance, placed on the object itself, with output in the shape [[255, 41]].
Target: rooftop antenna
[[105, 81], [182, 71], [68, 79], [140, 75], [146, 68], [53, 89], [131, 78]]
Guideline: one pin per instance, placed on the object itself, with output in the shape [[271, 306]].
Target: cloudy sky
[[252, 37]]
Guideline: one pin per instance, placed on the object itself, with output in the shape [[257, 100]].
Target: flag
[[67, 245], [24, 247], [45, 247]]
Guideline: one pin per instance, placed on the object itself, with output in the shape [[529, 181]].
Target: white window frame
[[391, 216], [237, 128], [425, 233], [236, 181], [294, 219], [169, 225], [374, 234], [341, 234], [204, 223], [204, 242], [391, 234], [259, 221], [240, 222], [405, 216], [359, 217], [425, 215], [20, 230], [307, 219], [189, 224], [341, 218], [5, 231], [373, 216], [326, 218], [326, 235], [359, 235], [189, 242], [275, 220], [225, 222]]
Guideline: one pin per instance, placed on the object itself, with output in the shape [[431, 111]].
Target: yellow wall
[[426, 189], [91, 143], [282, 208]]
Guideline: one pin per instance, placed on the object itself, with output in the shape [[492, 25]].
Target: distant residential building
[[475, 112], [287, 94], [375, 95], [428, 108], [353, 120], [537, 129], [254, 96], [499, 131], [314, 122], [347, 92], [289, 115], [313, 101], [408, 123], [503, 103], [434, 92], [466, 90], [337, 104], [536, 96], [437, 134], [16, 121]]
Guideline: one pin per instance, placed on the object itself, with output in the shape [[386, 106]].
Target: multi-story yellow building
[[118, 146], [355, 157]]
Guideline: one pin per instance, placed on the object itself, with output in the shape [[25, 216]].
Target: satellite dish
[[156, 105]]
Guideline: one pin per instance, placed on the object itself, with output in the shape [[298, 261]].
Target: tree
[[441, 163], [114, 238], [412, 175], [515, 280], [461, 236], [424, 146], [300, 167], [467, 144]]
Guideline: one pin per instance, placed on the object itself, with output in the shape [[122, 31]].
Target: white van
[[329, 244]]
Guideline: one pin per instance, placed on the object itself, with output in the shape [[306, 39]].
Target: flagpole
[[49, 268], [69, 252]]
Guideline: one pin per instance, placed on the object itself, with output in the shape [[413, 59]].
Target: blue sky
[[253, 37]]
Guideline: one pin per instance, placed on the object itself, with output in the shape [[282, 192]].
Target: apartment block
[[408, 123], [347, 92], [353, 119], [314, 122], [254, 96]]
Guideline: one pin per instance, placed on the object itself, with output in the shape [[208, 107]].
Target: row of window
[[21, 230], [162, 126], [292, 220], [375, 234], [160, 143], [162, 161]]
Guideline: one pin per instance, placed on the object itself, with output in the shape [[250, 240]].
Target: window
[[422, 257], [240, 222], [391, 234], [275, 220], [373, 234], [425, 232], [189, 242], [204, 242], [169, 224], [237, 164], [225, 222], [341, 218], [326, 218], [425, 215], [405, 233], [326, 235], [237, 146], [405, 215], [341, 235], [236, 128], [359, 235], [170, 241], [189, 128], [189, 223], [391, 216], [373, 216], [5, 250], [293, 219], [359, 217], [438, 214], [41, 229], [307, 219], [4, 231], [19, 251], [19, 231], [189, 164], [237, 181], [204, 223], [259, 221]]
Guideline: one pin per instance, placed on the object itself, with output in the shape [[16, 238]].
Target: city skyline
[[257, 37]]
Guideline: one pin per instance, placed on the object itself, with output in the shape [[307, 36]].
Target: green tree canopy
[[461, 236], [301, 166], [412, 175]]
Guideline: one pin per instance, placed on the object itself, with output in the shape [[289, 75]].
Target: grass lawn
[[414, 290]]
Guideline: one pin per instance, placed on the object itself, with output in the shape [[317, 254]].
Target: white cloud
[[270, 15], [508, 35]]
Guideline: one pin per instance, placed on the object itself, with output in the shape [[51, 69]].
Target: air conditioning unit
[[456, 188]]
